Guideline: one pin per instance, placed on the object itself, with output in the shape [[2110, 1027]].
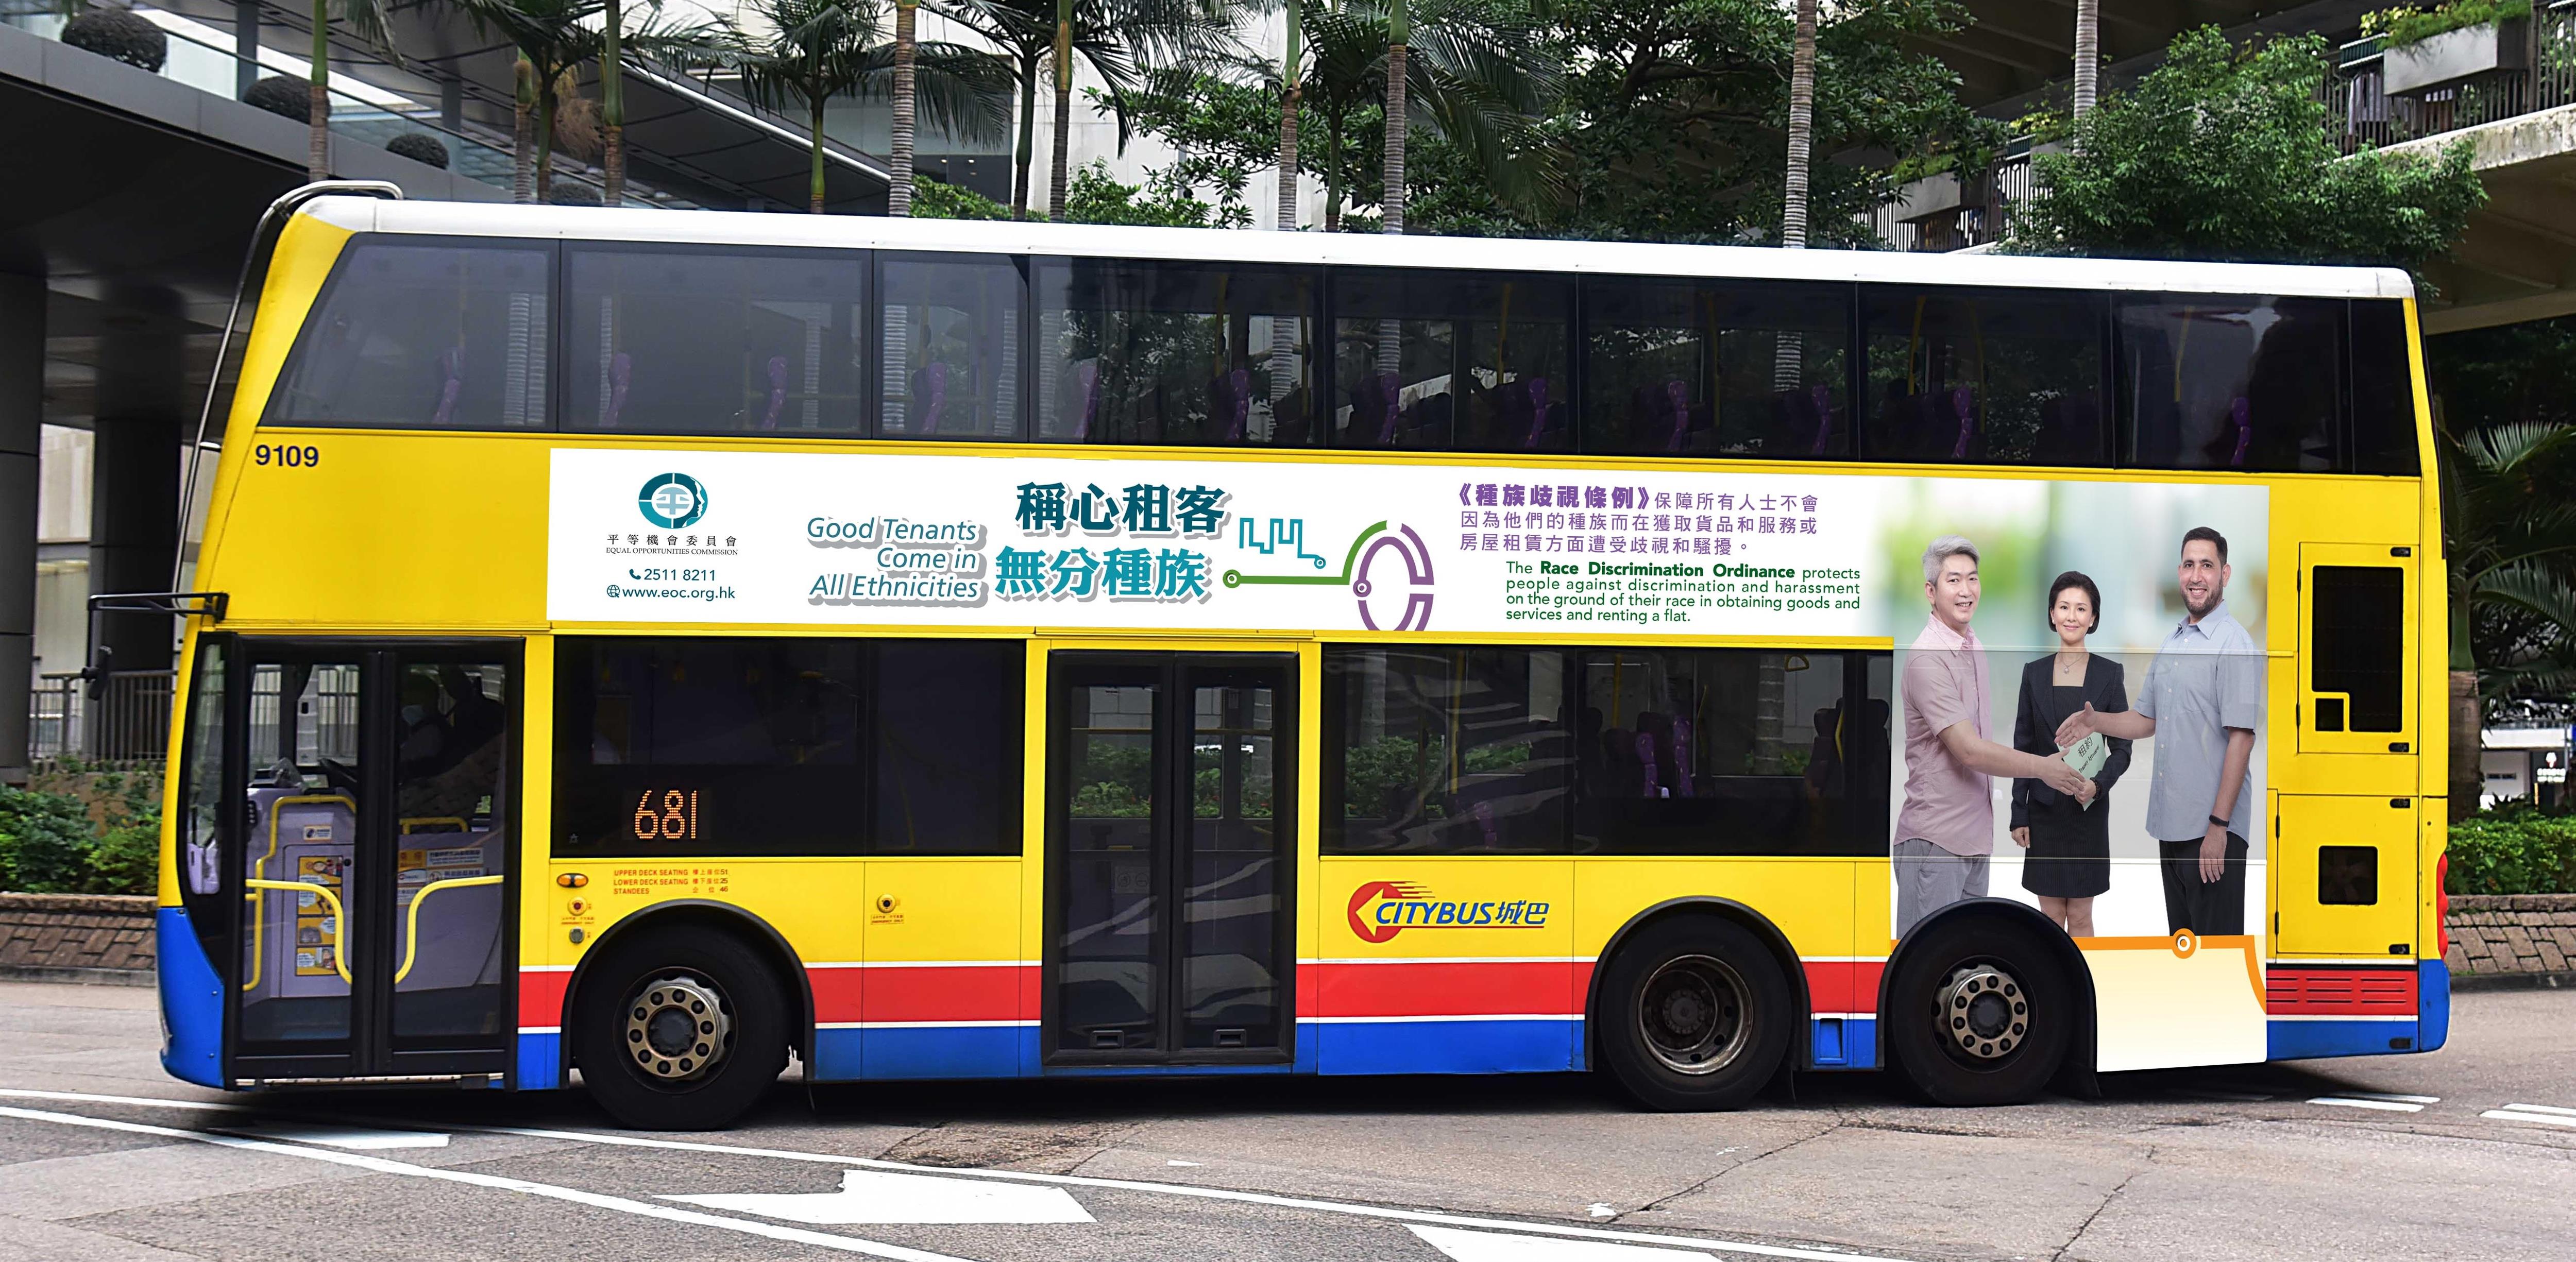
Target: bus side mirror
[[102, 664]]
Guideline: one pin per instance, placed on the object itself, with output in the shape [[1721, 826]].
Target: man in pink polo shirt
[[1945, 831]]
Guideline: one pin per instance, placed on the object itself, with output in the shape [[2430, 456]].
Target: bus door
[[374, 812], [2344, 864], [1171, 844]]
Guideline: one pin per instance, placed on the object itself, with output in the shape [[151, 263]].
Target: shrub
[[45, 842], [282, 96], [419, 146], [567, 193], [127, 860], [2399, 27], [2513, 849], [121, 34], [938, 199]]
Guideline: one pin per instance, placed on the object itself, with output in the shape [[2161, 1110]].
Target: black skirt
[[2070, 849]]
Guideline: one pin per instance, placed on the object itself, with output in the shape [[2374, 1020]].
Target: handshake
[[2058, 774]]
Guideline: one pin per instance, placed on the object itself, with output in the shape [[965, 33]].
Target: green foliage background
[[2513, 849], [50, 843]]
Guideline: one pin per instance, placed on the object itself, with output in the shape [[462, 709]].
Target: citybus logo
[[672, 500], [1379, 910]]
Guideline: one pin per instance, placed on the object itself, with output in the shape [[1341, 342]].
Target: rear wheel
[[679, 1030], [1983, 1013], [1695, 1014]]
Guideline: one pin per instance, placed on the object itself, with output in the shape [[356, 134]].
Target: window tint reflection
[[1452, 360], [1968, 376], [2211, 382], [1137, 352], [1721, 367]]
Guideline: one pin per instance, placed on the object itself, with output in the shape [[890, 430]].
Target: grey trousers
[[1929, 878]]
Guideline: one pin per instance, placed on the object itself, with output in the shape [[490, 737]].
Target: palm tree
[[1399, 30], [1802, 123], [2510, 539], [1290, 88], [899, 157], [366, 19], [553, 38], [612, 109], [1472, 78], [2088, 55], [814, 50], [1116, 40]]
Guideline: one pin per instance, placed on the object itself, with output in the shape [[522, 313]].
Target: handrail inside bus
[[339, 921], [411, 923], [259, 869]]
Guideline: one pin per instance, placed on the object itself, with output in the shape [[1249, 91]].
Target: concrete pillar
[[245, 46], [22, 410], [134, 478]]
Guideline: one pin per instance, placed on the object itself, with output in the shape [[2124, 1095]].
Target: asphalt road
[[2421, 1157]]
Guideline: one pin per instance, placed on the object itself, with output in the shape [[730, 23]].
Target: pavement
[[2455, 1154]]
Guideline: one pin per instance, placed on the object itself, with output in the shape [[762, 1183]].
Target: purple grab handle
[[1484, 813], [2242, 412], [1681, 758], [1823, 399], [1238, 392], [934, 396], [451, 364], [621, 374], [1389, 390], [1963, 402], [777, 390], [1677, 402], [1535, 390], [1646, 758]]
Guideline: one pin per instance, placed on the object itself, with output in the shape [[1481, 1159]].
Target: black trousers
[[2205, 907]]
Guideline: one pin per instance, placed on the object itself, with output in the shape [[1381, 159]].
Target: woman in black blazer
[[2068, 840]]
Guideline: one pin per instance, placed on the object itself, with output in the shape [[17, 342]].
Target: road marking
[[1066, 1180], [359, 1138], [1180, 1163], [1600, 1209], [2385, 1106], [2229, 1097], [880, 1198], [380, 1165], [1485, 1246], [2543, 1114], [2393, 1099]]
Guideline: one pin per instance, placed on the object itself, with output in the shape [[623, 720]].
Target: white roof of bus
[[576, 223]]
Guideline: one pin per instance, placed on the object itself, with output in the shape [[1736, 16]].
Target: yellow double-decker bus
[[662, 646]]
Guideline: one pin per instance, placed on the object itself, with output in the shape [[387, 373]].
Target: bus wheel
[[679, 1031], [1982, 1013], [1694, 1014]]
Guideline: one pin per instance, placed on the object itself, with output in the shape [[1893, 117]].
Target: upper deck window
[[693, 340], [1178, 353], [1739, 368], [2382, 399], [951, 328], [1454, 361], [425, 335], [2215, 382], [1983, 376]]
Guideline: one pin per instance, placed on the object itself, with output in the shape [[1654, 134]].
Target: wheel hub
[[1983, 1011], [677, 1027], [1692, 1012]]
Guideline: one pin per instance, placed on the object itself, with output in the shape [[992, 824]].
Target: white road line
[[364, 1139], [1066, 1180], [869, 1198], [2550, 1109], [2515, 1113], [1485, 1246], [823, 1240], [2393, 1099], [2385, 1106]]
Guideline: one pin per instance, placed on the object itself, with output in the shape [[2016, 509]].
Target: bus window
[[425, 336], [2212, 382], [951, 325], [1445, 751], [700, 746], [696, 341], [1177, 353], [1722, 367], [1730, 751], [2383, 390], [1967, 376], [947, 726], [1437, 361]]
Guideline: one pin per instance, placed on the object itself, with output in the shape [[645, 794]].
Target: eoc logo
[[672, 500], [1379, 910]]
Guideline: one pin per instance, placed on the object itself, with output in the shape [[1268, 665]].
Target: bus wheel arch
[[761, 948], [1705, 943], [2028, 950]]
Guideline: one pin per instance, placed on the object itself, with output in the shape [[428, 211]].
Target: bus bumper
[[192, 1002]]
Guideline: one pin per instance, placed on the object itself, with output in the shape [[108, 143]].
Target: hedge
[[49, 846], [2513, 849]]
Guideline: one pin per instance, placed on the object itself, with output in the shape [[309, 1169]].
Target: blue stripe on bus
[[540, 1061], [930, 1051], [2432, 1006], [192, 1002], [1843, 1043], [2309, 1040], [1501, 1046]]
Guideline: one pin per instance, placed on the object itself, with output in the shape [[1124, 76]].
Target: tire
[[679, 1029], [1694, 1015], [1981, 1013]]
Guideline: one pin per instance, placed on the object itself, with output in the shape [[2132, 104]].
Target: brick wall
[[2512, 933], [43, 934]]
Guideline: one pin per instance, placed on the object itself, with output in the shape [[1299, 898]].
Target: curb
[[77, 976], [2512, 981]]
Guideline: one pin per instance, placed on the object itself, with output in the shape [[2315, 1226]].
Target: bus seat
[[1963, 405], [1373, 407], [621, 374], [451, 371], [777, 391], [1661, 409], [1230, 403], [929, 395], [2241, 411]]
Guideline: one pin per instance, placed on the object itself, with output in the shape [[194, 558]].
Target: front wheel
[[1695, 1015], [679, 1030], [1982, 1013]]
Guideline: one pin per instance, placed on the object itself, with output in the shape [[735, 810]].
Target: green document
[[2087, 757]]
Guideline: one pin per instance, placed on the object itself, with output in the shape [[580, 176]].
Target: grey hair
[[1942, 549]]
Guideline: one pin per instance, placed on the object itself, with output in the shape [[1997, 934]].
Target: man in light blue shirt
[[2203, 701]]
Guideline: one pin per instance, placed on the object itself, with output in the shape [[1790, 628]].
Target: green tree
[[811, 51], [1161, 201], [366, 20], [938, 199], [2222, 153]]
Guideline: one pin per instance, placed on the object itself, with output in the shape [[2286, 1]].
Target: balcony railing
[[129, 721], [2360, 113]]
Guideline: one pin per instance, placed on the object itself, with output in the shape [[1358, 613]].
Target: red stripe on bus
[[929, 992], [541, 998], [2340, 992], [1843, 985], [1449, 988]]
